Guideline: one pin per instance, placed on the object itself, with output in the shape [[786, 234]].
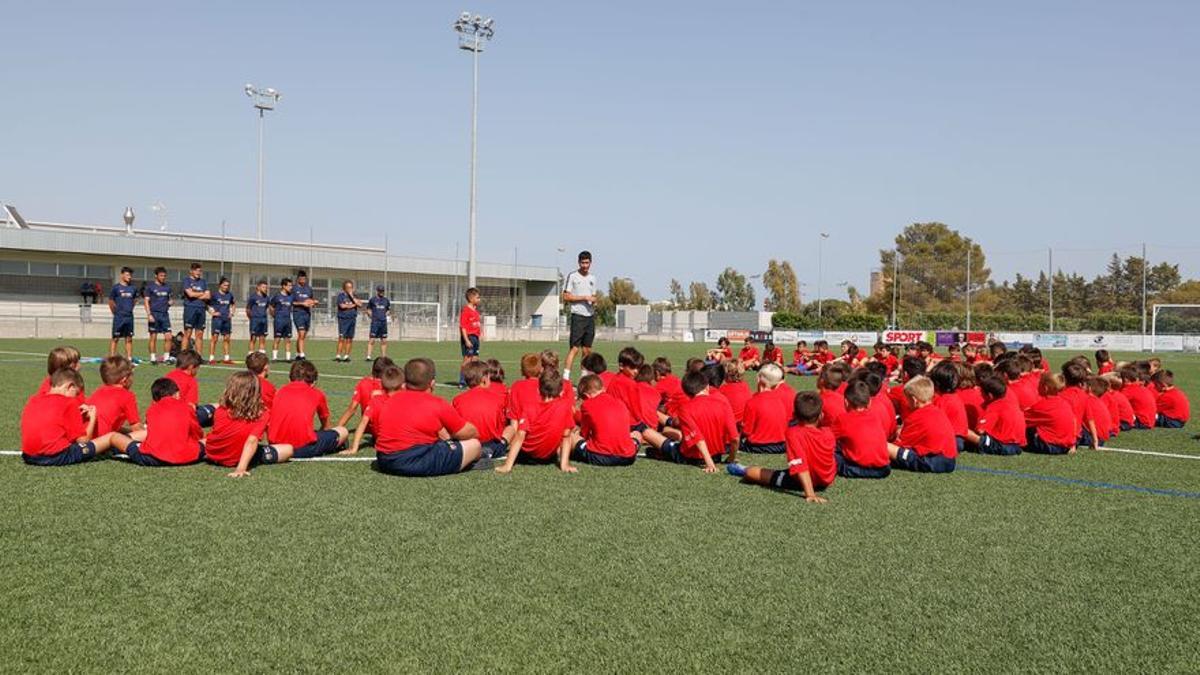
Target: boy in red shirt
[[187, 364], [833, 404], [416, 432], [709, 430], [765, 419], [1145, 406], [1074, 380], [624, 388], [56, 360], [544, 434], [881, 404], [260, 365], [1119, 402], [604, 438], [1174, 411], [801, 360], [495, 375], [239, 423], [594, 364], [1001, 428], [480, 406], [968, 392], [173, 435], [944, 376], [365, 390], [749, 357], [116, 406], [291, 421], [735, 390], [670, 388], [884, 355], [470, 327], [910, 367], [1104, 363], [772, 354], [524, 392], [810, 453], [862, 444], [1096, 417], [1099, 387], [927, 443], [1052, 427], [55, 427]]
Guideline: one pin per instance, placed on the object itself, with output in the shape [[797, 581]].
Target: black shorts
[[327, 442], [583, 330], [497, 447], [222, 325], [909, 460], [580, 453], [302, 319], [440, 458], [283, 329], [346, 326], [122, 326], [379, 329], [161, 324], [75, 453], [470, 347], [781, 479], [205, 414], [264, 454], [849, 469], [194, 317], [672, 451], [991, 446], [142, 459], [764, 448], [258, 327]]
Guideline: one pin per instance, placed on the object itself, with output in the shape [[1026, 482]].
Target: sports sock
[[151, 357], [274, 354], [289, 356], [567, 375]]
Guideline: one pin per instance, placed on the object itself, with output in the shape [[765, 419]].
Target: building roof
[[116, 241]]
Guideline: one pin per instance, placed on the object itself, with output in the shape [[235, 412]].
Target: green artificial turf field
[[1026, 563]]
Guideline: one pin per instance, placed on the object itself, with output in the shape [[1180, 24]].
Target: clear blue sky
[[672, 139]]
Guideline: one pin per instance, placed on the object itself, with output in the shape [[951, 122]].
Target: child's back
[[765, 419], [1053, 421], [49, 423], [738, 394], [861, 438], [544, 427], [116, 406], [483, 408], [291, 421], [604, 426], [172, 432]]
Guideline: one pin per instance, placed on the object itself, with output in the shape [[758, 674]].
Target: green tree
[[700, 297], [783, 288], [678, 298], [734, 291], [605, 309], [933, 268], [622, 291]]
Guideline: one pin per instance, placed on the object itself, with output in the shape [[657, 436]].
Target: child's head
[[495, 371], [694, 384], [982, 370], [881, 349], [993, 388], [62, 357], [831, 378], [1050, 384], [966, 376], [550, 384], [1163, 380], [969, 351], [391, 379], [1026, 363], [858, 395], [723, 342], [303, 371], [475, 374], [748, 342], [630, 359], [919, 391], [188, 360], [242, 396], [472, 296], [714, 373], [1115, 383], [953, 349], [549, 359], [594, 363], [1036, 355], [1074, 374], [802, 345], [733, 371], [645, 373], [163, 388], [849, 348], [257, 363], [997, 348], [944, 377], [1102, 357], [1128, 373], [1144, 370], [924, 349], [116, 370], [1009, 368], [66, 381], [769, 376], [873, 380], [821, 345], [878, 367], [380, 363], [807, 407], [662, 367], [419, 374], [912, 366], [1083, 361], [693, 365], [1098, 386], [531, 365], [590, 385], [1154, 363]]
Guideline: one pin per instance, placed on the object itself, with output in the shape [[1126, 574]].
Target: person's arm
[[146, 306], [514, 449], [348, 414], [358, 436], [243, 465], [709, 467], [323, 413], [466, 433], [810, 494], [89, 413], [1095, 436], [564, 454], [248, 311]]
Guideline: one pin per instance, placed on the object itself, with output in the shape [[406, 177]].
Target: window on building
[[14, 267], [42, 269]]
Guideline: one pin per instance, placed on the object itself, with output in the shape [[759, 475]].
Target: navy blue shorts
[[142, 459], [764, 448], [265, 454], [1035, 444], [74, 453], [302, 319], [495, 448], [1137, 424], [909, 460], [346, 326], [1168, 422], [205, 414], [161, 324], [849, 469], [122, 326], [672, 451], [580, 453], [327, 442], [222, 325], [441, 458], [990, 446], [470, 347], [258, 326], [1126, 426], [194, 317], [283, 329], [379, 329]]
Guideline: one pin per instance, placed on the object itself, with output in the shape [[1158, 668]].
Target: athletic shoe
[[227, 360], [736, 469]]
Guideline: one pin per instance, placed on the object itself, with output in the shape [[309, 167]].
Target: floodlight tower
[[264, 100], [473, 33]]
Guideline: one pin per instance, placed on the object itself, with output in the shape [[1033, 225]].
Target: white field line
[[1148, 452], [356, 458]]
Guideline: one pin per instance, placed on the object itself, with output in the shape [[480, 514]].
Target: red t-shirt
[[365, 390], [823, 357], [1107, 367], [483, 409], [881, 407], [468, 320], [670, 390], [116, 406], [604, 424], [647, 412], [524, 393], [861, 439], [889, 360], [410, 418], [172, 432], [267, 389], [545, 426], [833, 406], [1173, 404], [799, 356], [625, 389], [765, 420], [291, 421], [928, 432], [787, 396], [189, 390], [50, 423], [1114, 411], [707, 419], [773, 355], [811, 449], [1026, 389], [44, 388], [972, 400], [1077, 398], [1054, 421], [900, 401], [727, 352], [748, 353], [956, 413], [499, 389], [224, 443], [1124, 408], [1003, 420], [1145, 407], [737, 393], [1096, 411]]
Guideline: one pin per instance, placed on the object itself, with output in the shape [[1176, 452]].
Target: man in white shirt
[[579, 291]]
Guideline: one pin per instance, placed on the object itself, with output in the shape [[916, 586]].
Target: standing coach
[[579, 291]]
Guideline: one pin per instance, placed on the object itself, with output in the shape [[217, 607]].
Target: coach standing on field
[[579, 291]]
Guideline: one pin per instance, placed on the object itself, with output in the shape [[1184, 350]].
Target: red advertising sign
[[903, 337]]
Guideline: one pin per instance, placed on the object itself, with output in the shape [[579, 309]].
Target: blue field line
[[1166, 492]]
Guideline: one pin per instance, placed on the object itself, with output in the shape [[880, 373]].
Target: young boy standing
[[195, 304], [927, 443], [256, 311], [380, 308], [347, 317], [157, 302], [55, 428], [296, 403], [302, 304], [172, 432], [810, 453], [120, 302], [469, 330], [281, 311], [221, 305]]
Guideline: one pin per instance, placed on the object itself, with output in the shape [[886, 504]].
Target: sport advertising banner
[[946, 338], [1105, 341], [859, 338], [903, 337], [1014, 340], [712, 335], [1050, 340]]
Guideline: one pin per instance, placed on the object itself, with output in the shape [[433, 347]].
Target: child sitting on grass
[[239, 423], [862, 442], [811, 465], [480, 406], [56, 429], [1052, 427], [1001, 427], [116, 406], [709, 430], [1172, 405], [173, 435], [735, 390], [765, 418], [927, 442], [59, 358], [604, 438], [544, 434], [260, 365], [1136, 378]]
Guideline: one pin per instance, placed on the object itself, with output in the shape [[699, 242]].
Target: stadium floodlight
[[128, 218], [473, 33], [264, 100]]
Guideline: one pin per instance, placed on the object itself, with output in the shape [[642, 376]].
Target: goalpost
[[1154, 320], [417, 320]]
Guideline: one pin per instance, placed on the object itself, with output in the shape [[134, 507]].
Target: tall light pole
[[1145, 265], [895, 284], [820, 269], [968, 285], [473, 33], [264, 100]]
